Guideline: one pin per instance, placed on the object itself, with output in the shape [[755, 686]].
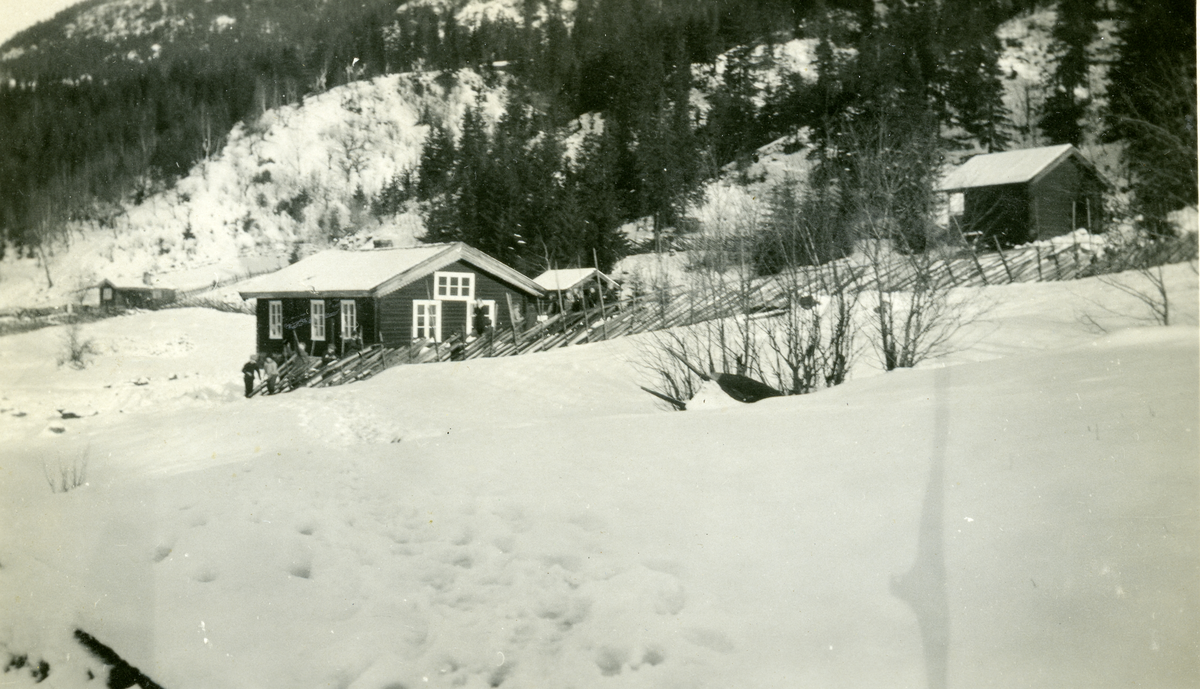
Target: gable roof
[[338, 273], [567, 278], [133, 287], [1011, 167]]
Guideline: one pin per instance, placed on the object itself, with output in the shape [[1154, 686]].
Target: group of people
[[267, 366], [261, 365]]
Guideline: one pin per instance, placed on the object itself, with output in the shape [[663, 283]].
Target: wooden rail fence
[[671, 308]]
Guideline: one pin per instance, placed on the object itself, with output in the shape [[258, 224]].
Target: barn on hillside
[[337, 300], [112, 296], [1025, 195]]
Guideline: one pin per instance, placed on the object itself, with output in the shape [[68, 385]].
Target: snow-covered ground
[[1026, 507]]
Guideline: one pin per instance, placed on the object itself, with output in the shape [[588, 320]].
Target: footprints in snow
[[612, 660], [298, 565]]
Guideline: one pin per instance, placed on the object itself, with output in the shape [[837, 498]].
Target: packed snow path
[[538, 521]]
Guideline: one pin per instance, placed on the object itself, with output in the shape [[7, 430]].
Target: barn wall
[[1053, 195], [1067, 184], [997, 213]]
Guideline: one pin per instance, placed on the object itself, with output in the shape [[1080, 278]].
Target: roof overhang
[[311, 294], [453, 253], [585, 280], [1069, 153]]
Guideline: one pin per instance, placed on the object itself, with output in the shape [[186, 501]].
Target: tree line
[[900, 84]]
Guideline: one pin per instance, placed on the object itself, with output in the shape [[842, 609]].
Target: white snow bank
[[538, 523]]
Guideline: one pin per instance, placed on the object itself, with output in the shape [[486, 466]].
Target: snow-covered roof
[[132, 286], [1009, 167], [375, 273], [568, 278]]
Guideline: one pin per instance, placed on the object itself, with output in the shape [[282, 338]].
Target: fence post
[[1003, 260], [1075, 246], [600, 292], [978, 265], [1038, 252]]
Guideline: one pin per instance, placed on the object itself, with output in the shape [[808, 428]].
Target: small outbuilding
[[115, 297], [1025, 195], [338, 300], [575, 288]]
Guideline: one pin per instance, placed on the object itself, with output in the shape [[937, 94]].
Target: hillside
[[307, 173], [1021, 513], [226, 141], [287, 181]]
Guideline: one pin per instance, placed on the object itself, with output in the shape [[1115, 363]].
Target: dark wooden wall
[[297, 322], [1053, 196], [124, 298], [395, 309], [997, 213]]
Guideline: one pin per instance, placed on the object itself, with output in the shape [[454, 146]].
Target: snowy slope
[[288, 179], [538, 521]]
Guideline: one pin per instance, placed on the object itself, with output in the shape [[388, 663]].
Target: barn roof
[[568, 278], [337, 273], [133, 287], [1010, 167]]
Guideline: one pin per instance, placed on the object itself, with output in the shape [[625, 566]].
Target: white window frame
[[433, 309], [275, 319], [316, 318], [489, 307], [453, 286], [348, 309]]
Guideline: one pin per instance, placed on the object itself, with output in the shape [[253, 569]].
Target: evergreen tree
[[592, 192], [1074, 31], [1152, 105], [437, 163], [732, 116], [972, 90]]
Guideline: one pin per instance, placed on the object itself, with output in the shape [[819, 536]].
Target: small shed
[[114, 297], [337, 300], [1025, 195], [575, 289]]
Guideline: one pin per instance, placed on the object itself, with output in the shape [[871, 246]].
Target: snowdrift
[[1025, 518]]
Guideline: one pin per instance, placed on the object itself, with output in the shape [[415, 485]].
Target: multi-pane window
[[317, 317], [426, 324], [275, 320], [349, 319], [454, 285]]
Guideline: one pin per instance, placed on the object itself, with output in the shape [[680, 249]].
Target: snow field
[[535, 521]]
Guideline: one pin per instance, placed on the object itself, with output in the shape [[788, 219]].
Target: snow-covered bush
[[76, 349]]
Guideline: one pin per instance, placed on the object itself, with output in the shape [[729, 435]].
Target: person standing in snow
[[272, 370], [249, 372]]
